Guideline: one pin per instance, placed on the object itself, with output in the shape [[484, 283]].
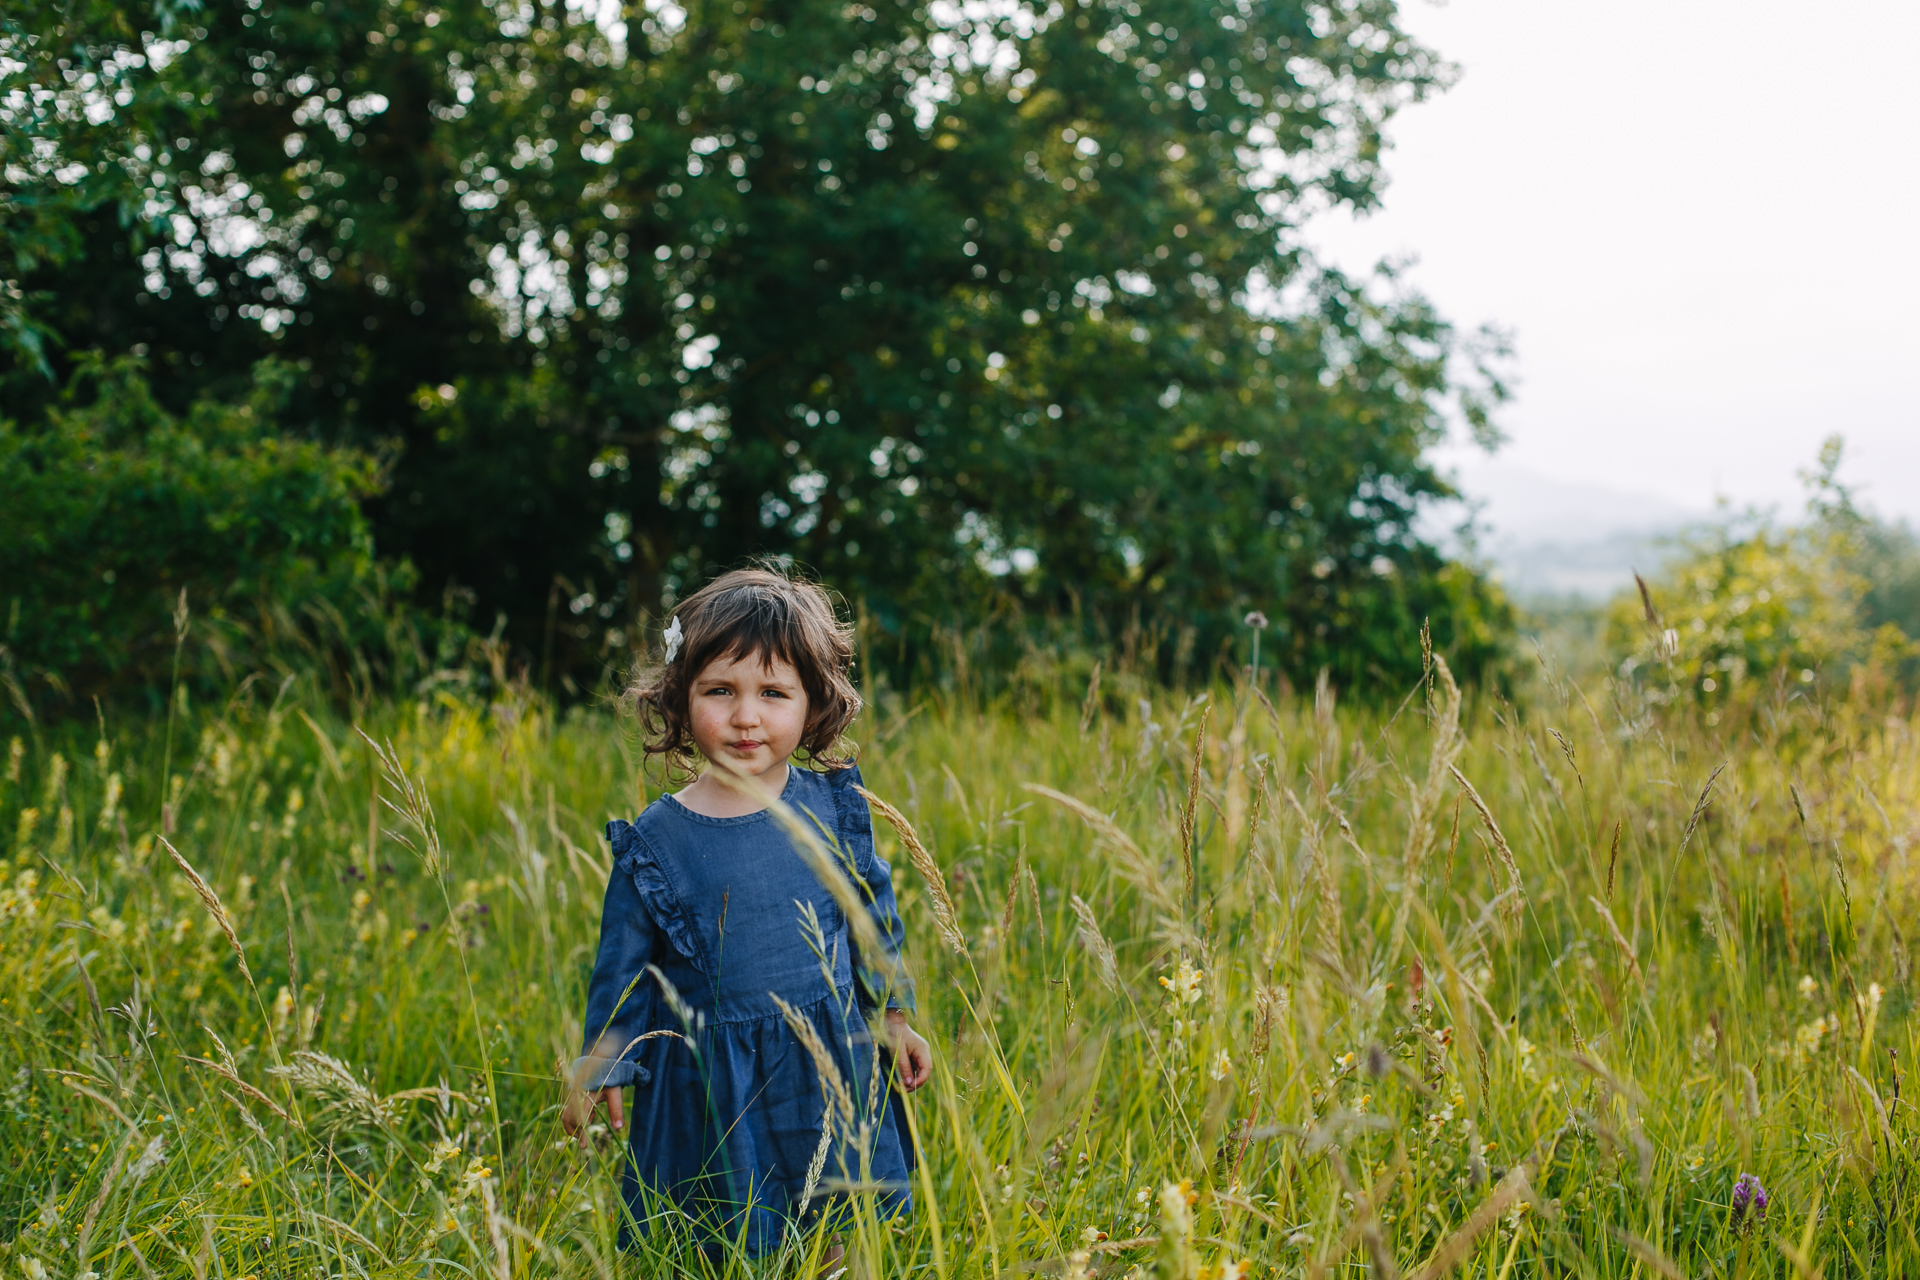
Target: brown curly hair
[[745, 612]]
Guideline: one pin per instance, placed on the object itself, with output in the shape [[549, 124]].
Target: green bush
[[137, 547], [1750, 603]]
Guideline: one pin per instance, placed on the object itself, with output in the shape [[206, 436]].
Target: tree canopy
[[955, 303]]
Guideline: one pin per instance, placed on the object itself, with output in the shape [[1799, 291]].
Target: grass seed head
[[832, 1084], [211, 901], [1096, 944], [343, 1103], [944, 916]]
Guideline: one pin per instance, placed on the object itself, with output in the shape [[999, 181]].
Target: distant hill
[[1548, 537]]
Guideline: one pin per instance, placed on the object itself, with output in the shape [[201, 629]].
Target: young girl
[[709, 929]]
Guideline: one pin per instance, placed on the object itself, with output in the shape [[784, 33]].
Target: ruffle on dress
[[633, 855], [853, 821]]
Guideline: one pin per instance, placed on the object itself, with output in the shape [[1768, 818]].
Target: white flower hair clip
[[673, 639]]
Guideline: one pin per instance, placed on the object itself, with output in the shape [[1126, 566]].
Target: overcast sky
[[1700, 219]]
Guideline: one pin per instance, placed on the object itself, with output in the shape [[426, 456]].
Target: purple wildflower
[[1748, 1194]]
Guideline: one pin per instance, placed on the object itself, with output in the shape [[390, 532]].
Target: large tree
[[951, 302]]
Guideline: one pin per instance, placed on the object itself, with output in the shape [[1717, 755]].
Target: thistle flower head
[[1749, 1196], [1750, 1202]]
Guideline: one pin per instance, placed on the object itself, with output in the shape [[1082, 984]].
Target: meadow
[[1594, 983]]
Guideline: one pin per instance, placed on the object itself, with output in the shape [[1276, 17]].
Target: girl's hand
[[577, 1115], [912, 1056]]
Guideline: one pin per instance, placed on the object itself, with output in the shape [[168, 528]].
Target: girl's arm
[[881, 980], [884, 979], [617, 1000], [912, 1055]]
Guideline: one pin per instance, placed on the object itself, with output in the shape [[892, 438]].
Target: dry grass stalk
[[627, 1048], [1134, 863], [689, 1017], [832, 1084], [1236, 786], [1268, 1004], [107, 1185], [945, 918], [1749, 1091], [1012, 905], [1096, 944], [1613, 860], [1062, 1091], [1620, 940], [1091, 706], [1122, 1246], [1032, 883], [214, 906], [1365, 1222], [246, 1116], [1190, 816], [1879, 1108], [1422, 829], [1352, 839], [139, 1257], [1634, 1138], [74, 1084], [415, 808], [345, 1103], [502, 1260], [233, 1077], [1329, 888], [1450, 1251], [1546, 774], [1499, 844], [1651, 1257], [818, 1165], [1566, 749], [1648, 612], [341, 1228], [1700, 805]]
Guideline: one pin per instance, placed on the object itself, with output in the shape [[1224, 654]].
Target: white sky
[[1699, 218]]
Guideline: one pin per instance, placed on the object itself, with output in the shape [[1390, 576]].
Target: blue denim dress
[[716, 916]]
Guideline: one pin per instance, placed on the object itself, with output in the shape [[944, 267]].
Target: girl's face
[[748, 712]]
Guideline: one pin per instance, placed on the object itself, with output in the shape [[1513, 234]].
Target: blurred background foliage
[[978, 314], [115, 514], [1751, 600], [380, 327]]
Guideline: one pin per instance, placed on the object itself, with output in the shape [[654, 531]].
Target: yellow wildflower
[[1185, 983]]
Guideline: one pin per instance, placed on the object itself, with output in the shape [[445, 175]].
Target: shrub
[[136, 545], [1749, 599]]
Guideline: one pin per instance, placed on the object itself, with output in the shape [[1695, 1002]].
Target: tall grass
[[1216, 987]]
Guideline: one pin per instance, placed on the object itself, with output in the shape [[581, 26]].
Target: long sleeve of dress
[[891, 976], [888, 977], [617, 995]]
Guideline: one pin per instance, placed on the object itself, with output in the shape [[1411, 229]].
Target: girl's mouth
[[746, 745]]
